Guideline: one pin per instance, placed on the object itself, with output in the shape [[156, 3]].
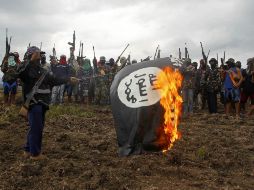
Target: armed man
[[213, 85], [37, 84], [8, 67], [101, 82]]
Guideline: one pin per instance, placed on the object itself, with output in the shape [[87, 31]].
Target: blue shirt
[[228, 84]]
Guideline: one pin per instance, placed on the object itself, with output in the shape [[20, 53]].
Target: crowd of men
[[204, 85], [92, 88], [89, 83], [201, 86]]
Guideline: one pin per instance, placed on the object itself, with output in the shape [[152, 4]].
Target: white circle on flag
[[137, 90]]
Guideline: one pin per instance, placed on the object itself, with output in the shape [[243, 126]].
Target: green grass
[[70, 110]]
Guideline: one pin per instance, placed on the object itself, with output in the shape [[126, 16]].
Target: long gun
[[73, 45], [118, 59], [159, 54], [94, 61], [186, 51], [24, 110], [79, 52], [82, 46], [203, 53], [40, 46], [156, 52], [180, 54], [7, 43]]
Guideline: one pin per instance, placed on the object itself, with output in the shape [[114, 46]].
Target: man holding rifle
[[37, 84]]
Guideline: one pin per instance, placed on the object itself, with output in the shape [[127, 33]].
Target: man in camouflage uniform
[[188, 71], [202, 76], [101, 83], [213, 85], [84, 73]]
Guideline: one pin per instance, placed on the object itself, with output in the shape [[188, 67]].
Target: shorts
[[245, 96], [232, 95], [10, 88]]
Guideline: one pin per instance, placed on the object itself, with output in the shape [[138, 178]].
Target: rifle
[[24, 109], [79, 52], [159, 54], [73, 45], [129, 59], [7, 43], [180, 54], [156, 52], [94, 61], [118, 59], [40, 46], [203, 53], [54, 52], [82, 45], [186, 51]]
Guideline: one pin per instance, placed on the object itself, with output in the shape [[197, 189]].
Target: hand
[[36, 56], [74, 80]]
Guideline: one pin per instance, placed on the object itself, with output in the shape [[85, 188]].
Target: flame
[[169, 82]]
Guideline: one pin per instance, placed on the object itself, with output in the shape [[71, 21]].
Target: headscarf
[[86, 64], [11, 61], [63, 60]]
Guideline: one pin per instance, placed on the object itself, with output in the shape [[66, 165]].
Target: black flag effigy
[[136, 108]]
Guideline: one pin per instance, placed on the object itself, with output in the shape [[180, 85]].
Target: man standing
[[101, 93], [213, 85], [202, 76], [232, 80], [9, 66], [85, 74], [60, 70], [188, 71], [30, 72]]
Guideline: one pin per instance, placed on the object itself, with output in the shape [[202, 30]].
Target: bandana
[[86, 64], [11, 61]]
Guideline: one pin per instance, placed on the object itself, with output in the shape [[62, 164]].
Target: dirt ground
[[81, 149]]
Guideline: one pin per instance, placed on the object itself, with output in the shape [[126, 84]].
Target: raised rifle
[[159, 54], [7, 43], [79, 51], [94, 62], [180, 54], [186, 51], [82, 46], [205, 57], [156, 52], [118, 59], [73, 45], [40, 46]]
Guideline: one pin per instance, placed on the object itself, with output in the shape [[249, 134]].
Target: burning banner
[[146, 106]]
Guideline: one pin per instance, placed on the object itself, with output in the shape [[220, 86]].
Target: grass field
[[81, 148]]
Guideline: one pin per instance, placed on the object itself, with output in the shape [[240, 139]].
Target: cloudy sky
[[110, 25]]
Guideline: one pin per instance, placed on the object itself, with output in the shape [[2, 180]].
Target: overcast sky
[[110, 25]]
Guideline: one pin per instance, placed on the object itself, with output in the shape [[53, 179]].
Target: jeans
[[58, 94], [212, 102], [36, 117], [188, 95]]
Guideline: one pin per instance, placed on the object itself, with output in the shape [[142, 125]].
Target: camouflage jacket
[[190, 75], [10, 72], [202, 76], [213, 80]]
